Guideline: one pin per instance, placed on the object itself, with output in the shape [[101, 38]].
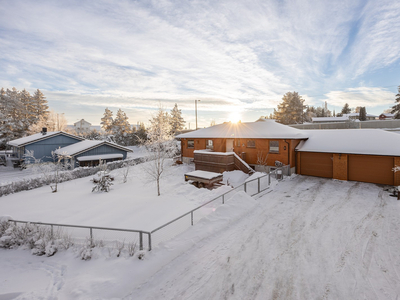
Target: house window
[[238, 142], [209, 144], [251, 144], [190, 144], [273, 146]]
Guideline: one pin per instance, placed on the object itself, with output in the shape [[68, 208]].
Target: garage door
[[316, 164], [371, 168]]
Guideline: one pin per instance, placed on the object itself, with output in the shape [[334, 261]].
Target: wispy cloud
[[362, 96], [230, 54]]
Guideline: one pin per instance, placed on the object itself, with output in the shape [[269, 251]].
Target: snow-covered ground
[[306, 238]]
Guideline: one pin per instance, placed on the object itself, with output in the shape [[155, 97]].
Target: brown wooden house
[[265, 140]]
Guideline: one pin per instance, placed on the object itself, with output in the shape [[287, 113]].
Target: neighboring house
[[88, 153], [250, 141], [329, 119], [356, 116], [386, 116], [344, 118], [82, 126], [42, 144], [367, 155]]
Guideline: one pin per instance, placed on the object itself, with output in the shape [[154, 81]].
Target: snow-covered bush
[[103, 181]]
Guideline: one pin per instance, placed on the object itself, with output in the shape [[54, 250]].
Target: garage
[[316, 164], [371, 168]]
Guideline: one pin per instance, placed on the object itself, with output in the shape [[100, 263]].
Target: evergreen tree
[[396, 107], [12, 122], [363, 114], [140, 135], [29, 111], [107, 121], [39, 105], [290, 110], [176, 120], [121, 128], [346, 109]]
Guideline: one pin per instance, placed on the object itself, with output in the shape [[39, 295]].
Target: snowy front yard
[[306, 238]]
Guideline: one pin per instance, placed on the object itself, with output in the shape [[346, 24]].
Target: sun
[[235, 117]]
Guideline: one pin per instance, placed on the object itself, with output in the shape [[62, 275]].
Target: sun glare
[[235, 117]]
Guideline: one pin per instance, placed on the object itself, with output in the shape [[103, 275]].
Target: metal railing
[[251, 187], [105, 238]]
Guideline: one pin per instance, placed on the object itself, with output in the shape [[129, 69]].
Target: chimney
[[44, 130]]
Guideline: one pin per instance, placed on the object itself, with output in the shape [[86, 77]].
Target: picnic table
[[203, 178]]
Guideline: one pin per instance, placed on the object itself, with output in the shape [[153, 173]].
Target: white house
[[82, 126]]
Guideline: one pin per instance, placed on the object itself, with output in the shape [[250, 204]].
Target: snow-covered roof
[[358, 114], [330, 119], [98, 157], [85, 145], [352, 141], [268, 129], [387, 115], [38, 136]]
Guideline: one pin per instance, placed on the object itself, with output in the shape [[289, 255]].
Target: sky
[[237, 57]]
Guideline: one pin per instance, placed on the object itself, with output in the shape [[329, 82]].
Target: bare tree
[[160, 146], [62, 161], [262, 161]]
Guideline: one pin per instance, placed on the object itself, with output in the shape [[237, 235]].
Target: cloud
[[233, 55], [362, 96]]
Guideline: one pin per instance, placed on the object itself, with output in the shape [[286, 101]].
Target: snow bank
[[5, 218], [234, 178]]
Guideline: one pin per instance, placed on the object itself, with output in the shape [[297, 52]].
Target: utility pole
[[195, 106]]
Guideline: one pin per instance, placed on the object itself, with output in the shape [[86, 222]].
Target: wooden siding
[[363, 168], [286, 150], [371, 168], [316, 164], [43, 148], [340, 166]]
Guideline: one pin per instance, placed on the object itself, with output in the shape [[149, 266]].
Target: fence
[[107, 236], [95, 235], [181, 223]]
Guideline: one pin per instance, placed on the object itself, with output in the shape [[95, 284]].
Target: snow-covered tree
[[39, 104], [176, 120], [396, 107], [12, 121], [291, 109], [160, 146], [107, 121], [121, 128]]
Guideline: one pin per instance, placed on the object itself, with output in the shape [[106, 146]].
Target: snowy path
[[309, 238]]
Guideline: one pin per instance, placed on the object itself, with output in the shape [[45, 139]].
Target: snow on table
[[204, 174]]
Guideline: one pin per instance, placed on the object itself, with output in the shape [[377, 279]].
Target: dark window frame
[[190, 144], [251, 144], [273, 146], [210, 145]]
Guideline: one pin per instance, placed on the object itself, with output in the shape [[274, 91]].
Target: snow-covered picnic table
[[200, 178]]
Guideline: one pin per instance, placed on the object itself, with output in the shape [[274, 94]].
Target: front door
[[229, 145]]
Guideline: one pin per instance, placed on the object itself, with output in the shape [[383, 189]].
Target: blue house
[[88, 153], [41, 144]]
